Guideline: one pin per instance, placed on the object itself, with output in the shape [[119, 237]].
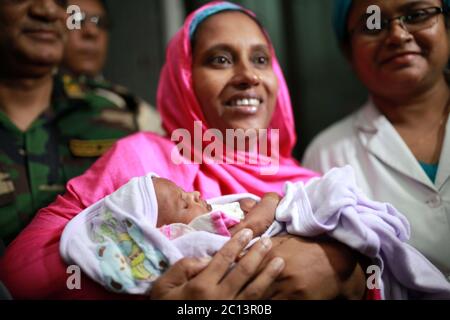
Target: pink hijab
[[179, 108]]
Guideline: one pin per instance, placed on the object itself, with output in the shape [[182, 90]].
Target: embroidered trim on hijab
[[208, 12]]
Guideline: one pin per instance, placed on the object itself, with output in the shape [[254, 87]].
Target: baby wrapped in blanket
[[128, 239]]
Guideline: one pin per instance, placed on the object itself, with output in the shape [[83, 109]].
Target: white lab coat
[[387, 171]]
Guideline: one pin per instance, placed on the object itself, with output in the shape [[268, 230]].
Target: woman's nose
[[90, 30], [398, 34], [246, 77]]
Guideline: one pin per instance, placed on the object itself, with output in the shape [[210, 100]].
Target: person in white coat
[[397, 142]]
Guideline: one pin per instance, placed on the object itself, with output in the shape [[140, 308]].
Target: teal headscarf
[[340, 15]]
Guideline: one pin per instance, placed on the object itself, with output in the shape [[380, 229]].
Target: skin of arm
[[316, 269]]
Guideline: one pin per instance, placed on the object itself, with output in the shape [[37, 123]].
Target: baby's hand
[[260, 216]]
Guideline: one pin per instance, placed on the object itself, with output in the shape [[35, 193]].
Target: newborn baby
[[181, 212], [128, 239]]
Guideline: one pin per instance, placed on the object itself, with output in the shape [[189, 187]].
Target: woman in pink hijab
[[221, 73]]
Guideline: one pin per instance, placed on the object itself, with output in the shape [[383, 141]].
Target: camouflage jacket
[[78, 127]]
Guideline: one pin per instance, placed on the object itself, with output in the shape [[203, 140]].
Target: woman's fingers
[[225, 258], [221, 277], [259, 287], [247, 268], [176, 277], [261, 216]]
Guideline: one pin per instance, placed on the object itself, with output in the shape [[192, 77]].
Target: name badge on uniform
[[90, 148], [6, 189]]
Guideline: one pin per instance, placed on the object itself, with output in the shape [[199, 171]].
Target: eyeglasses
[[412, 22], [102, 22]]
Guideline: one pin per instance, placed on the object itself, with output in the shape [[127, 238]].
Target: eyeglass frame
[[95, 19], [388, 22]]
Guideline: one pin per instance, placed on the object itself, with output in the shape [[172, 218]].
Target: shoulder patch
[[90, 148]]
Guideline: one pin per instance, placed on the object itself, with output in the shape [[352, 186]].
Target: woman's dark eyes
[[261, 60], [220, 60], [223, 60], [417, 16]]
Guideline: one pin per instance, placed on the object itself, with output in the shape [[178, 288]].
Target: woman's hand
[[315, 270], [200, 279], [261, 216]]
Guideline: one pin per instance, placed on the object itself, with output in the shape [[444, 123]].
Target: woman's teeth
[[245, 103]]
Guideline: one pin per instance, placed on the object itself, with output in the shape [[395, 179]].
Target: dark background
[[322, 85]]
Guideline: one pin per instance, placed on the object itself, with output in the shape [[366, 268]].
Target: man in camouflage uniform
[[51, 127]]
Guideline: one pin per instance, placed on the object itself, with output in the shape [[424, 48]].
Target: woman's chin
[[406, 74], [400, 80]]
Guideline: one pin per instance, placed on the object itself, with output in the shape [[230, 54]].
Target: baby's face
[[177, 206]]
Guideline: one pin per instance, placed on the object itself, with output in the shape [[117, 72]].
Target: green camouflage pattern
[[80, 125], [148, 118]]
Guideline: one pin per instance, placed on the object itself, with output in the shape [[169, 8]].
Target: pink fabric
[[167, 231], [217, 222], [32, 267], [222, 223]]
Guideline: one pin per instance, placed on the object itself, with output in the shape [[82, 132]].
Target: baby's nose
[[195, 196]]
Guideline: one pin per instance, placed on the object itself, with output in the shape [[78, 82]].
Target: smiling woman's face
[[232, 73], [399, 62]]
